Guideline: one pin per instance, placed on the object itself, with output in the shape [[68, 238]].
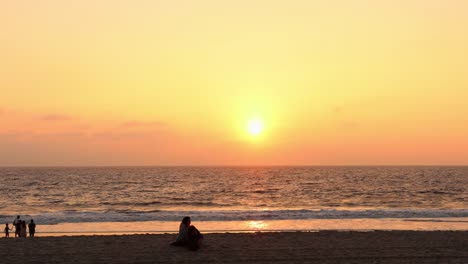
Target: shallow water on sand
[[160, 227]]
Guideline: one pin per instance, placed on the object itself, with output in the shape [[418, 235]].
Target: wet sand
[[296, 247]]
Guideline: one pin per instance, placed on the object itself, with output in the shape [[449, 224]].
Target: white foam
[[238, 215]]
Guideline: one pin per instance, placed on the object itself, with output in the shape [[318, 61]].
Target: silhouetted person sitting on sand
[[189, 236], [32, 228], [182, 238]]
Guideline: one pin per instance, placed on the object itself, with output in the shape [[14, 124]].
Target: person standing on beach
[[7, 230], [17, 225], [22, 232], [32, 228]]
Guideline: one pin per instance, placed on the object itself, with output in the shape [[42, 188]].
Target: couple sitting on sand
[[189, 236]]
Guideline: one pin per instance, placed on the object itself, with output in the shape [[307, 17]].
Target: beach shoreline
[[259, 247], [248, 226]]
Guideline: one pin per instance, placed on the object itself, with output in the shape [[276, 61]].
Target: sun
[[255, 127]]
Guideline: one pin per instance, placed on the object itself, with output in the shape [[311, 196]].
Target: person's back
[[182, 238], [183, 233]]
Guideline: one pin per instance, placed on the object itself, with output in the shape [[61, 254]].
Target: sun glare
[[255, 127]]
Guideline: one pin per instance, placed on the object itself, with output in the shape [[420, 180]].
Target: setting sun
[[207, 82], [142, 126], [255, 127]]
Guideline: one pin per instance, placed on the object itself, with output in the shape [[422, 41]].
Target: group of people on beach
[[189, 236], [20, 228]]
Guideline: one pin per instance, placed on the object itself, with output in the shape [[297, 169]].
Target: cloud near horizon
[[28, 140], [134, 123], [24, 125], [55, 117]]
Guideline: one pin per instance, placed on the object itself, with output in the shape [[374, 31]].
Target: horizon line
[[227, 165]]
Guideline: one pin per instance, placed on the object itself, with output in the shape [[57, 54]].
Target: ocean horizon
[[236, 198]]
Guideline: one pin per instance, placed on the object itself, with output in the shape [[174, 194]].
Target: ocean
[[154, 199]]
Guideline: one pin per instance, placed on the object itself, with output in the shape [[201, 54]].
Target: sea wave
[[235, 215]]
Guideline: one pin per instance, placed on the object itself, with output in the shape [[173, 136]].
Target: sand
[[297, 247]]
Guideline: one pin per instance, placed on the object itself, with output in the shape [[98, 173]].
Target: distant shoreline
[[251, 226]]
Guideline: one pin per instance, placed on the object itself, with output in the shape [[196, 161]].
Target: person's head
[[186, 220], [6, 224], [32, 221], [18, 217]]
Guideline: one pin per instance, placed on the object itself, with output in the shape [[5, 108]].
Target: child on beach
[[7, 230]]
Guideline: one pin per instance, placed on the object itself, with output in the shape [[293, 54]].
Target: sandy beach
[[296, 247]]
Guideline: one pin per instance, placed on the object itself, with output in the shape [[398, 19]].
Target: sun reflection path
[[257, 225]]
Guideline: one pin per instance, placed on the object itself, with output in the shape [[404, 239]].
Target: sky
[[332, 82]]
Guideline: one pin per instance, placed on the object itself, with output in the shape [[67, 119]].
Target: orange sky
[[334, 82]]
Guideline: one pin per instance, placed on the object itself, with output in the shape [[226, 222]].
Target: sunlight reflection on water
[[161, 227], [257, 225]]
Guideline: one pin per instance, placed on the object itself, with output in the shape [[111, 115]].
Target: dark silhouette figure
[[183, 232], [23, 229], [7, 230], [194, 238], [32, 228], [17, 225], [189, 236]]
